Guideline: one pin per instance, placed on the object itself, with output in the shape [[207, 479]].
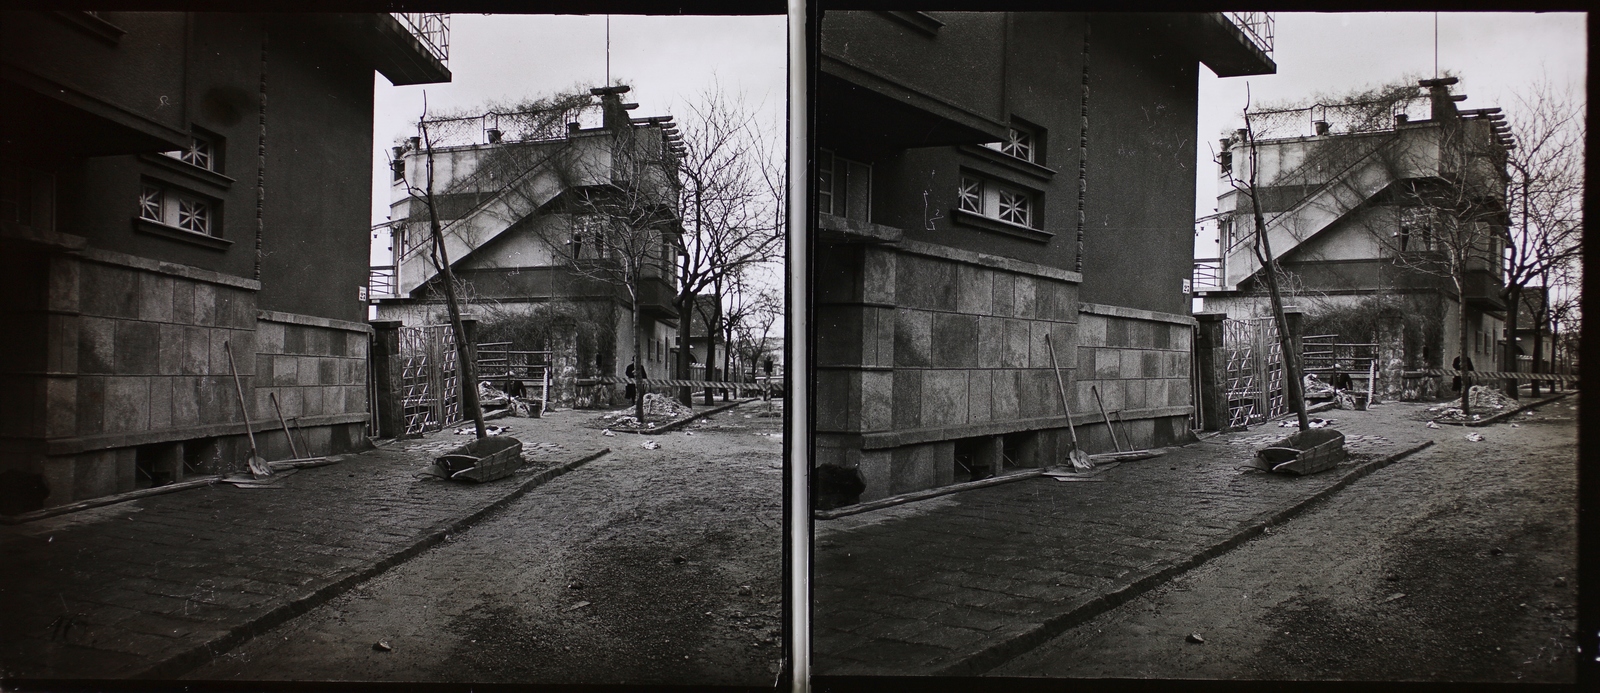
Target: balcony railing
[[432, 29], [1259, 26], [382, 283], [1207, 273]]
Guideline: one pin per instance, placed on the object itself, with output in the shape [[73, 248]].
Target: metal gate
[[430, 392], [1254, 372]]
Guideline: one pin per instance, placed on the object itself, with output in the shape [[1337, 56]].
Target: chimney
[[416, 143], [1321, 127], [494, 135]]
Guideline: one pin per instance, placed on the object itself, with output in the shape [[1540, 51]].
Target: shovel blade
[[1080, 459], [259, 468]]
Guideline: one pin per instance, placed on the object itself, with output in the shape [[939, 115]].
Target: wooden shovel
[[1079, 459], [1101, 403], [284, 424], [258, 466]]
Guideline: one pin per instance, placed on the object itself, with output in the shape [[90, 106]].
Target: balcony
[[1481, 289], [1259, 27], [382, 283], [433, 30], [1208, 274]]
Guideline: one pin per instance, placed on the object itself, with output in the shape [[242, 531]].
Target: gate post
[[1211, 358], [385, 365], [469, 332]]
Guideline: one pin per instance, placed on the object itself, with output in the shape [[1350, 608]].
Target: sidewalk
[[154, 587], [957, 584]]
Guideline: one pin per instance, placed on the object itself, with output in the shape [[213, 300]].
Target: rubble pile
[[664, 407], [1481, 396]]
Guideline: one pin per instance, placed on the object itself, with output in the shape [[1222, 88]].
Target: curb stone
[[1025, 640], [1497, 418], [680, 423], [194, 657]]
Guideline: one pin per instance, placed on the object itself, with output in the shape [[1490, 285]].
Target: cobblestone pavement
[[1457, 564], [647, 566], [155, 586], [958, 584]]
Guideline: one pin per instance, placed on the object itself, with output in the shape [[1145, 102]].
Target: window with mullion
[[995, 201], [200, 153], [176, 208], [1020, 142]]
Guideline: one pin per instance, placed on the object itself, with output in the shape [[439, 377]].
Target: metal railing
[[1259, 26], [382, 282], [1207, 273], [500, 364], [432, 29]]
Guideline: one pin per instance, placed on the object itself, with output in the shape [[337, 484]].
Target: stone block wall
[[1140, 363], [137, 387], [314, 366], [922, 345]]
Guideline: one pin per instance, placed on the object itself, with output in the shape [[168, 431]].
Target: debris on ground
[[1475, 437], [1196, 639], [1487, 397], [1312, 422], [526, 407], [606, 432], [1516, 425], [577, 606], [657, 405], [489, 430], [491, 396], [650, 445], [1432, 425], [1392, 597], [382, 646], [745, 591]]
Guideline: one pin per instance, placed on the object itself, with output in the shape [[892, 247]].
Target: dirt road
[[1457, 564], [645, 566]]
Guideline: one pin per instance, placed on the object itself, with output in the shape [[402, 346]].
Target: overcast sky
[[666, 60], [1494, 54]]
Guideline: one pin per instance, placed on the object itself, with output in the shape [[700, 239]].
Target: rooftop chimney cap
[[603, 91], [1440, 82]]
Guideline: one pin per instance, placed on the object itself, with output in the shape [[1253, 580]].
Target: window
[[996, 201], [202, 152], [172, 207], [1022, 142], [27, 196], [588, 236], [844, 187]]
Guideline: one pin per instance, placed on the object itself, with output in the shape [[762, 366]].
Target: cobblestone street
[[1457, 564], [158, 586], [963, 583], [645, 566]]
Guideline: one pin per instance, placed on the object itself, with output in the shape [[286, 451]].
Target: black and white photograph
[[393, 347], [1229, 346]]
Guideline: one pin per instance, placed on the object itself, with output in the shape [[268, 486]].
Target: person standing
[[1462, 364], [631, 391]]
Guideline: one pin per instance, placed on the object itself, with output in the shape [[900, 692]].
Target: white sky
[[667, 61], [1493, 54]]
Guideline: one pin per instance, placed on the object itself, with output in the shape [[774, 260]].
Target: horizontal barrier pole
[[664, 382]]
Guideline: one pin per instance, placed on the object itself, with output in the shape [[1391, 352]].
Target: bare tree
[[1261, 247], [1545, 202], [728, 198]]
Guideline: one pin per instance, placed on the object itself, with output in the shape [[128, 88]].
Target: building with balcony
[[999, 194], [1363, 204], [521, 241], [183, 202]]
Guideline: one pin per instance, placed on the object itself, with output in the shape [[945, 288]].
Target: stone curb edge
[[998, 653], [188, 660], [1497, 418], [680, 423]]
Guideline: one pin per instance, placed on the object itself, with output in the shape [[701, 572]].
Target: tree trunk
[[685, 305], [1513, 296], [638, 356], [713, 331], [467, 371], [1461, 325], [1293, 387], [1538, 349]]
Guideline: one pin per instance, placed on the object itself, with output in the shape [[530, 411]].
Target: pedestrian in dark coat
[[630, 391], [1463, 364]]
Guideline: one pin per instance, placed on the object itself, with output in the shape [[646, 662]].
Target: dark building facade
[[992, 186], [186, 198]]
